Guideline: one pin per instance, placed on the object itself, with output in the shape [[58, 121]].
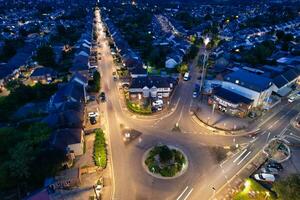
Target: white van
[[186, 76]]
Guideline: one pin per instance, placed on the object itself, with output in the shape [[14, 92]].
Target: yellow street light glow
[[247, 184]]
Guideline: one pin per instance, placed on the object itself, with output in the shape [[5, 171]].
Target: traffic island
[[277, 150], [165, 162]]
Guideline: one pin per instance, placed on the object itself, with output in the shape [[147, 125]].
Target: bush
[[100, 154], [139, 110]]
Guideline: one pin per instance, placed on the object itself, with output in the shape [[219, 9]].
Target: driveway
[[87, 158]]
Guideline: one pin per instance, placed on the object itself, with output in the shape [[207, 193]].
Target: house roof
[[43, 71], [63, 137], [285, 78], [65, 119], [72, 90], [80, 77], [150, 81], [249, 80], [230, 96]]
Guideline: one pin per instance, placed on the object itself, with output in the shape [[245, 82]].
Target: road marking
[[295, 136], [188, 194], [244, 158], [239, 156], [252, 141], [182, 193], [268, 137]]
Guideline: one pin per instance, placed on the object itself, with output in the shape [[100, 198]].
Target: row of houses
[[130, 59], [141, 84], [167, 34]]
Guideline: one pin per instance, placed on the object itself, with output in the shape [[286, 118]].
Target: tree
[[182, 68], [45, 56], [280, 34], [288, 188], [165, 154]]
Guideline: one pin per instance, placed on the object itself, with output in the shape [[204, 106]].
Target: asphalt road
[[204, 173]]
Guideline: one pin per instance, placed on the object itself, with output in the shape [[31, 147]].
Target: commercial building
[[249, 85]]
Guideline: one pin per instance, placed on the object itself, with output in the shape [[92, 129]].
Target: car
[[158, 102], [102, 97], [275, 165], [114, 74], [159, 108], [291, 99], [91, 98], [159, 95], [93, 120], [269, 170], [186, 76], [265, 177], [196, 90], [93, 114]]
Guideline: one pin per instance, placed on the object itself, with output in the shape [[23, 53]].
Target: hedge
[[100, 153]]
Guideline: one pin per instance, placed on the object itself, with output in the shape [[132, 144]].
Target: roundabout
[[165, 162]]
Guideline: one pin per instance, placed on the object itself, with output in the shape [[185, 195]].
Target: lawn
[[253, 190]]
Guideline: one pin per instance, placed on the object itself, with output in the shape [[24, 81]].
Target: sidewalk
[[223, 124], [227, 191]]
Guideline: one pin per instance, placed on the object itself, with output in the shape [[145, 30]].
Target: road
[[204, 173]]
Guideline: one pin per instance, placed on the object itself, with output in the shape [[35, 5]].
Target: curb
[[183, 170]]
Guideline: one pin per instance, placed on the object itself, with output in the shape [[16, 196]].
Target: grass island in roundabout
[[165, 161]]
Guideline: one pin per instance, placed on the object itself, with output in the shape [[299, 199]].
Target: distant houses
[[130, 59]]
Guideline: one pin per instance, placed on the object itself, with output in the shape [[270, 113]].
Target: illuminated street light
[[206, 41], [247, 184]]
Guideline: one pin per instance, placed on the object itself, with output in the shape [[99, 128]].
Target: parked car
[[291, 99], [270, 170], [93, 114], [275, 165], [159, 95], [159, 108], [102, 97], [158, 102], [186, 76], [265, 177], [93, 120]]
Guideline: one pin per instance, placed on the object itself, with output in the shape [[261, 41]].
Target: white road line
[[244, 158], [296, 136], [268, 137], [188, 194], [239, 156], [182, 193]]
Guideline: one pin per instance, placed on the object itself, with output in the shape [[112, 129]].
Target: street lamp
[[206, 41], [205, 58]]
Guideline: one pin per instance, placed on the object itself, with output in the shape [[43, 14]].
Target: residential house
[[43, 75], [66, 179], [72, 91], [151, 86], [284, 81], [68, 140]]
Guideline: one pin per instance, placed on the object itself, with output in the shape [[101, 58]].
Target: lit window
[[237, 81]]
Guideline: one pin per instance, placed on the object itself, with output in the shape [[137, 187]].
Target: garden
[[165, 161], [100, 154], [253, 190]]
